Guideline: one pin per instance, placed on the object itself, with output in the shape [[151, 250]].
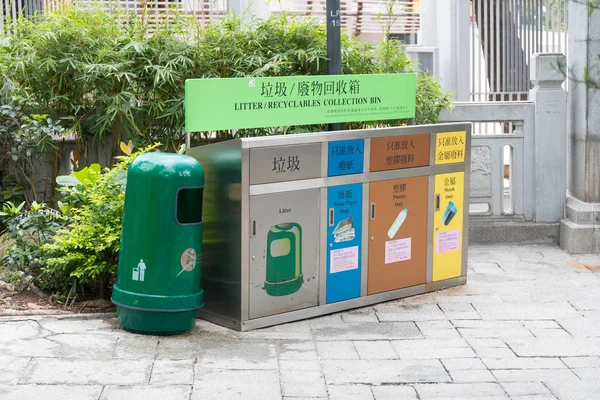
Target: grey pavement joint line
[[101, 392], [24, 370]]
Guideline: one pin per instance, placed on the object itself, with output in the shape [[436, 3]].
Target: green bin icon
[[158, 281], [284, 259]]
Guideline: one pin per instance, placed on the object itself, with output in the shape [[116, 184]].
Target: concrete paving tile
[[12, 368], [146, 393], [432, 348], [541, 324], [303, 398], [582, 327], [349, 392], [342, 350], [397, 313], [360, 315], [207, 330], [63, 325], [534, 397], [299, 330], [133, 346], [326, 321], [485, 267], [549, 333], [236, 385], [299, 365], [376, 372], [15, 330], [473, 375], [400, 392], [582, 362], [526, 311], [460, 364], [375, 350], [438, 329], [368, 331], [297, 351], [172, 372], [87, 372], [555, 347], [50, 392], [303, 384], [523, 363], [525, 388], [586, 305], [587, 374], [81, 345], [252, 355], [495, 333], [534, 375], [458, 311], [36, 347], [573, 390], [442, 391], [184, 347], [487, 348]]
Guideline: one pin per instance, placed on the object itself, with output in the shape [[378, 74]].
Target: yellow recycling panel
[[448, 225], [450, 147]]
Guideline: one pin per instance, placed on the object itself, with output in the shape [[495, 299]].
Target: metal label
[[345, 157], [398, 152], [450, 147], [285, 163]]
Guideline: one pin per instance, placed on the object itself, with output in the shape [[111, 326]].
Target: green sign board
[[237, 103]]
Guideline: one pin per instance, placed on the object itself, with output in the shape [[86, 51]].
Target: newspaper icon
[[344, 231]]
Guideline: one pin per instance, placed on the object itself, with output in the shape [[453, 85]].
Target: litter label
[[397, 250]]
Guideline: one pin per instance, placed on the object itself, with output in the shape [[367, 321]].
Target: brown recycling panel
[[397, 235], [398, 152]]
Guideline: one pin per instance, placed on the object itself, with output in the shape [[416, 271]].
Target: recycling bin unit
[[304, 225], [158, 281]]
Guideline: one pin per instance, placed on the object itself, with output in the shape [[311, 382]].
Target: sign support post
[[334, 46]]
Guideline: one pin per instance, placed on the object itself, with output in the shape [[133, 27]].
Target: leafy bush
[[115, 75], [27, 231], [84, 254], [24, 135]]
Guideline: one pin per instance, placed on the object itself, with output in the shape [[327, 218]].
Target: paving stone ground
[[526, 326]]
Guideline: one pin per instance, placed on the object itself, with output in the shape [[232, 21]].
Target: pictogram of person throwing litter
[[139, 272]]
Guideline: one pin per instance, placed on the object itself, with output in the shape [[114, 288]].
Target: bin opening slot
[[189, 205]]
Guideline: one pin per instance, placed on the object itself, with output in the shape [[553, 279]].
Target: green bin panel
[[158, 281]]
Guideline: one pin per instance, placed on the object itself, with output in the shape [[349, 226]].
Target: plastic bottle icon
[[397, 223]]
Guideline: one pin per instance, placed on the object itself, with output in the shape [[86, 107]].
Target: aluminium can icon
[[449, 213]]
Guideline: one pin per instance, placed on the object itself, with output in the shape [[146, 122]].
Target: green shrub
[[27, 231], [84, 254], [116, 76]]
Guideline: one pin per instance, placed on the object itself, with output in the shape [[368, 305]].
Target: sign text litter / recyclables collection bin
[[158, 282]]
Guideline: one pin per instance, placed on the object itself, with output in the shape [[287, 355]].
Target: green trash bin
[[158, 281]]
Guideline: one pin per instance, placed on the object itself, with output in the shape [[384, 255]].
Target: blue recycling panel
[[344, 236], [345, 157]]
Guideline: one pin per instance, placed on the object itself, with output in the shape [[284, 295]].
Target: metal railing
[[504, 35], [502, 154]]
